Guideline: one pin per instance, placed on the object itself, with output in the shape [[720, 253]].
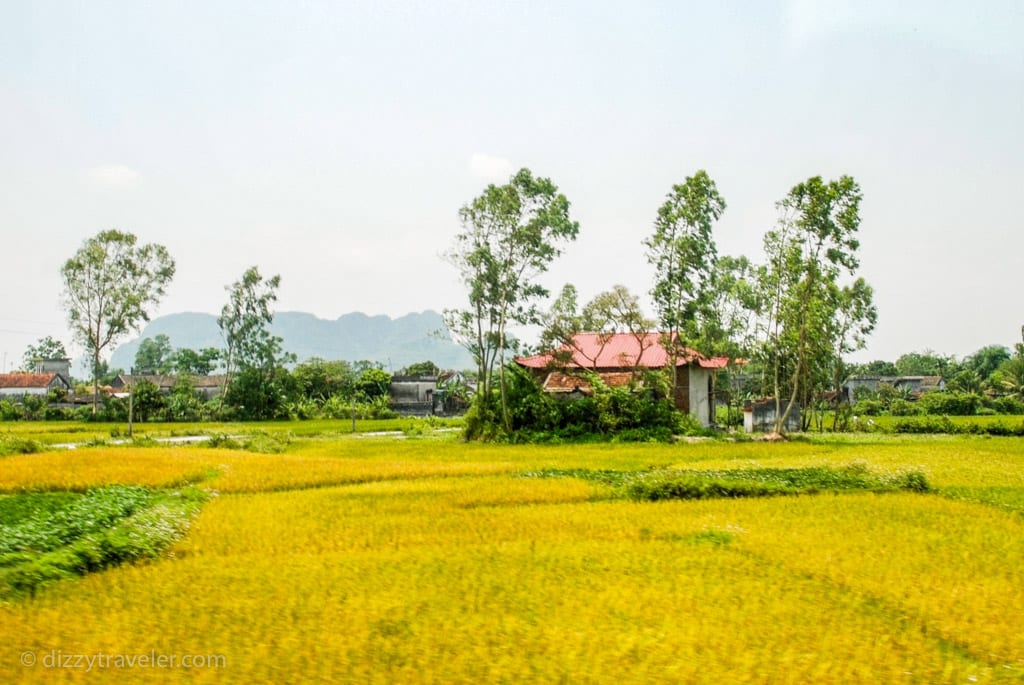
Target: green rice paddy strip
[[662, 484], [48, 536]]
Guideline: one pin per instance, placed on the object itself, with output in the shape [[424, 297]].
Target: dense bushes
[[635, 413], [949, 403], [943, 424], [938, 403]]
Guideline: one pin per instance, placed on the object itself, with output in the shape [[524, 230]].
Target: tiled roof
[[26, 380], [619, 351]]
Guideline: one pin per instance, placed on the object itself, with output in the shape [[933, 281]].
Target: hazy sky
[[334, 142]]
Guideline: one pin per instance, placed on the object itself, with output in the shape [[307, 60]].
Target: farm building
[[759, 416], [912, 385], [413, 395], [617, 358]]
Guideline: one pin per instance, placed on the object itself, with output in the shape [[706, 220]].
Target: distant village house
[[206, 387], [47, 375], [616, 358], [912, 385]]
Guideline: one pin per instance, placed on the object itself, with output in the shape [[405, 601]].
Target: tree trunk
[[95, 381]]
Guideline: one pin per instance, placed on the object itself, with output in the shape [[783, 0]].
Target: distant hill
[[394, 343]]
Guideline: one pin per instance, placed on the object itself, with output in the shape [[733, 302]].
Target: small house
[[22, 384], [618, 359], [413, 395]]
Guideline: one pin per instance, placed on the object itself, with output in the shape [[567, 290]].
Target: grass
[[69, 432], [423, 559]]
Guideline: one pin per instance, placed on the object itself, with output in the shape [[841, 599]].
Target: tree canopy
[[110, 285], [813, 313], [154, 355], [510, 234], [44, 348], [253, 354]]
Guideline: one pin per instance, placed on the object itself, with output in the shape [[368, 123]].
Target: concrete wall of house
[[418, 390], [21, 392], [61, 366], [693, 393], [413, 395]]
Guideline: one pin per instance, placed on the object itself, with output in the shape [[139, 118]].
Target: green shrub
[[925, 424], [9, 411], [868, 408], [19, 446], [949, 403], [902, 407], [1008, 405]]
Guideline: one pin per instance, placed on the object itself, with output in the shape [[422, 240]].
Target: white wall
[[19, 392]]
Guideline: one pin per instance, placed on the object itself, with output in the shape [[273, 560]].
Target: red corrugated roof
[[619, 351], [26, 380]]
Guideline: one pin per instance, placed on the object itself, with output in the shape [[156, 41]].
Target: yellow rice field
[[430, 561]]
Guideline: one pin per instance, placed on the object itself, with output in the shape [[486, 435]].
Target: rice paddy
[[425, 560]]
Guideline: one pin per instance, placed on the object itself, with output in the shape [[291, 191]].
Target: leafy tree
[[188, 361], [610, 312], [244, 322], [259, 392], [927, 363], [967, 381], [154, 355], [854, 317], [874, 368], [44, 348], [147, 402], [183, 404], [986, 360], [617, 311], [425, 368], [1011, 372], [109, 286], [510, 235], [683, 253], [812, 248], [562, 321], [735, 302], [320, 380], [373, 383]]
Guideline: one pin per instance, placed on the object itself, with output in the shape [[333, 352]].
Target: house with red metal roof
[[618, 358], [21, 384]]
